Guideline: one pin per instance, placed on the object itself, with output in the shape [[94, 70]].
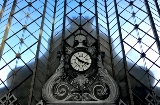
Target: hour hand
[[86, 63], [82, 61]]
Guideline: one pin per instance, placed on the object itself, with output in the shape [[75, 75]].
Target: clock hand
[[86, 63], [82, 61], [79, 60]]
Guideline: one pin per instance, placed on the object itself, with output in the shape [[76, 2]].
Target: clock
[[80, 61]]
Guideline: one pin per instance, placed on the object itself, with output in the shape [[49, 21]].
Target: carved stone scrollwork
[[76, 96], [81, 88], [82, 84], [81, 97], [106, 78], [80, 81], [101, 91], [61, 91]]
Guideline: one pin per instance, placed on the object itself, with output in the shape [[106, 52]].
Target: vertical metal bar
[[152, 24], [37, 55], [157, 6], [2, 10], [124, 57], [51, 41], [7, 28], [64, 23], [110, 43], [97, 26]]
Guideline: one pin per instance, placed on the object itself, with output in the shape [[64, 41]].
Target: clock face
[[80, 61]]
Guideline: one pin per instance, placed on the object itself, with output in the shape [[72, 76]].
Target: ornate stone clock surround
[[93, 86]]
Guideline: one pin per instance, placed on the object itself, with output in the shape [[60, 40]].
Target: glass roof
[[20, 32]]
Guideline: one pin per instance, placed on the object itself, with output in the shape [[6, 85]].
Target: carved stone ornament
[[71, 84], [40, 102], [152, 99], [8, 99]]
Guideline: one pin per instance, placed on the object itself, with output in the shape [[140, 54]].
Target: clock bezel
[[84, 52]]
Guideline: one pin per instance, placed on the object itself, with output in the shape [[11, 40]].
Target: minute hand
[[82, 61]]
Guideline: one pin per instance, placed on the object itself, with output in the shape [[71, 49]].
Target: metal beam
[[152, 25], [51, 40], [2, 10], [7, 28], [124, 56], [37, 55], [110, 43], [157, 6], [97, 26], [64, 27]]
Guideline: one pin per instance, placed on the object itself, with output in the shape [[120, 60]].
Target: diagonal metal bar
[[97, 26], [152, 24], [110, 43], [124, 57], [157, 6], [64, 21], [2, 10], [37, 55], [51, 41], [7, 28]]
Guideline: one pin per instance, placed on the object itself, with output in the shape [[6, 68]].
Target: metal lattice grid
[[129, 28]]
